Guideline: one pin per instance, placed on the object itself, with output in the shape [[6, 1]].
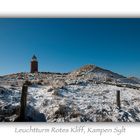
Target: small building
[[34, 64]]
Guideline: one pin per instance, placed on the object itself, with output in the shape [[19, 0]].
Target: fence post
[[23, 102], [118, 99]]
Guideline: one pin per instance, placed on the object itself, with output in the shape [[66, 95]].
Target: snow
[[85, 95], [90, 103]]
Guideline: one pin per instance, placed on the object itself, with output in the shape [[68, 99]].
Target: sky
[[65, 44]]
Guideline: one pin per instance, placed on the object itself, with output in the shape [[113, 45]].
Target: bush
[[108, 80], [63, 111]]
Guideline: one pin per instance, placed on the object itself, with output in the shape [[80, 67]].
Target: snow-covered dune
[[75, 103], [87, 94]]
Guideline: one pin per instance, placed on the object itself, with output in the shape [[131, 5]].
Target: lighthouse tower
[[34, 64]]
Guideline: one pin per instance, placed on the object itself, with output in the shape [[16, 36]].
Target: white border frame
[[75, 9]]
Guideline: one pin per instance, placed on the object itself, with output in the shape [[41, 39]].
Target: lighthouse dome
[[34, 58]]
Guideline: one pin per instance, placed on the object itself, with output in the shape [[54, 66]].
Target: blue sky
[[63, 45]]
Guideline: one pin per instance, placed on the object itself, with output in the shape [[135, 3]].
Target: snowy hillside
[[85, 95], [94, 73]]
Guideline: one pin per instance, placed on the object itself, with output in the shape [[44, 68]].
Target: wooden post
[[118, 99], [23, 103]]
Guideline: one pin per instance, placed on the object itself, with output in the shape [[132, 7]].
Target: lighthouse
[[34, 64]]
